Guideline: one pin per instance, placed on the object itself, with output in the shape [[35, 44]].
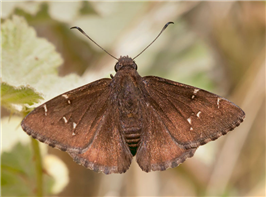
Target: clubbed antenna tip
[[78, 28], [165, 26]]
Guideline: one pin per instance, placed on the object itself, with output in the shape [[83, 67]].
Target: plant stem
[[38, 167]]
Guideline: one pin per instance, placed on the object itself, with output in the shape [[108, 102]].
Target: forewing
[[108, 152], [192, 116], [158, 150], [69, 121]]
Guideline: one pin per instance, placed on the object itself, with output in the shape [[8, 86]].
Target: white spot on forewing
[[195, 91], [198, 114], [45, 109], [68, 101], [218, 102], [191, 129], [73, 133], [64, 118], [65, 96], [189, 120], [74, 125]]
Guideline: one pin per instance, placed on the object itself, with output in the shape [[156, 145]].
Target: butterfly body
[[127, 96], [103, 124]]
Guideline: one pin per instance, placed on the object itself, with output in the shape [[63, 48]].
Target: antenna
[[165, 26], [78, 28]]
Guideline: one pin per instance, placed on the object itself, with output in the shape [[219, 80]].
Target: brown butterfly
[[103, 124]]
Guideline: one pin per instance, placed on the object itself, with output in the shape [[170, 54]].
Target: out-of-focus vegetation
[[218, 46]]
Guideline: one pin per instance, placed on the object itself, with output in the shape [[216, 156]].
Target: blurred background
[[217, 46]]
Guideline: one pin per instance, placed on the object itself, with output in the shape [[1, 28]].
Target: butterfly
[[104, 124]]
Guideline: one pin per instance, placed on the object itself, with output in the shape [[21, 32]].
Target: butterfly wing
[[82, 122], [68, 121], [108, 152], [158, 150], [191, 116], [179, 118]]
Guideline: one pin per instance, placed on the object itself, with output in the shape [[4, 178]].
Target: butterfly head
[[125, 62]]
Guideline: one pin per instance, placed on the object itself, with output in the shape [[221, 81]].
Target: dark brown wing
[[158, 150], [68, 121], [108, 152], [191, 116], [83, 123]]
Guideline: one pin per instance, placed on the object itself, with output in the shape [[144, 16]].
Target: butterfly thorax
[[127, 97]]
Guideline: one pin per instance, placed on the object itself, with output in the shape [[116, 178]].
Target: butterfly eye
[[135, 66], [117, 67]]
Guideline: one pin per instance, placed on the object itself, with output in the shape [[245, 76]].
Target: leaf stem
[[38, 167]]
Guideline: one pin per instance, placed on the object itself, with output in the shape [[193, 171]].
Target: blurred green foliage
[[18, 177], [24, 95]]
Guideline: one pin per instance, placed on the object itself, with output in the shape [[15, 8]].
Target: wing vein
[[172, 97], [166, 96], [166, 128], [86, 111], [96, 133], [160, 119], [172, 105]]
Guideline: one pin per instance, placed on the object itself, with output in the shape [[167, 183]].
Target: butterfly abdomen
[[131, 127], [132, 138]]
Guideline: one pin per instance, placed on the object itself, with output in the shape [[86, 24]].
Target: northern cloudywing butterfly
[[103, 124]]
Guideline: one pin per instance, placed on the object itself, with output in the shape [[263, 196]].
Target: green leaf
[[12, 96], [30, 63], [26, 58], [19, 162], [18, 173]]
